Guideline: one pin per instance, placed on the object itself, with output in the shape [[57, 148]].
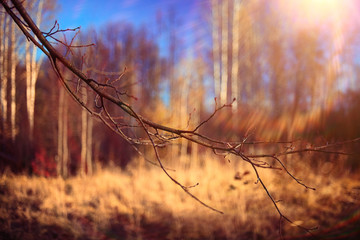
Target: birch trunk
[[4, 70], [13, 61], [59, 156], [65, 148], [197, 93], [83, 135], [89, 156], [32, 72], [224, 51], [216, 45], [62, 150], [235, 53], [2, 115], [86, 166], [86, 140], [248, 54]]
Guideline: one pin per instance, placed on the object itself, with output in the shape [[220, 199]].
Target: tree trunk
[[83, 135], [32, 72], [89, 156], [216, 45], [2, 115], [195, 101], [65, 147], [62, 150], [59, 156], [235, 53], [86, 166], [4, 71], [13, 61], [224, 51]]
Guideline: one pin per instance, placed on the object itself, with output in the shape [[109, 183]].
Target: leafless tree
[[62, 156], [32, 69], [158, 135], [4, 49]]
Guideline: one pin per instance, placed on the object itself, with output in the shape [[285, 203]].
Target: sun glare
[[330, 21], [320, 8], [315, 13]]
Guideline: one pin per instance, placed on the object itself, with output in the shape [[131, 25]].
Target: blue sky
[[86, 13], [90, 12]]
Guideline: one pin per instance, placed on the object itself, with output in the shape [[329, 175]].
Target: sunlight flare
[[316, 13]]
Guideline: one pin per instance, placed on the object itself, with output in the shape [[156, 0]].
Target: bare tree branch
[[158, 135]]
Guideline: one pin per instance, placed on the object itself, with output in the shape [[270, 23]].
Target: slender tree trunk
[[174, 91], [2, 80], [224, 51], [59, 157], [13, 61], [216, 45], [83, 135], [86, 140], [28, 77], [65, 147], [196, 94], [63, 150], [235, 53], [32, 72], [89, 155], [96, 156], [4, 71]]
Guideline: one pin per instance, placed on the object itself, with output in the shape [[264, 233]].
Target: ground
[[142, 203]]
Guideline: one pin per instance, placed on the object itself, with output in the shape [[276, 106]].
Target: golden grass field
[[142, 203]]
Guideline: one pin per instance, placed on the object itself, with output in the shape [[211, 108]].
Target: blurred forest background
[[290, 70]]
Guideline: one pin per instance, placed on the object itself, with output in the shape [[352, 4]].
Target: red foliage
[[43, 165]]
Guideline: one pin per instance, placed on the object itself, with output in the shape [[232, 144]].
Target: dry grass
[[142, 203]]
